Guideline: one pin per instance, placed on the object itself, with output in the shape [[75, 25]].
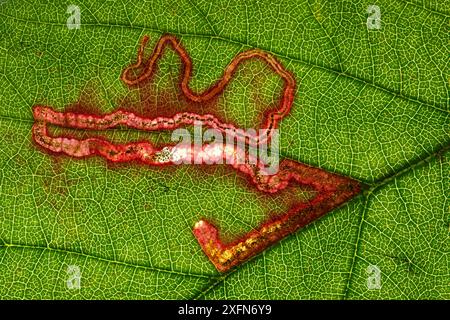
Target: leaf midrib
[[376, 185], [366, 194], [13, 245]]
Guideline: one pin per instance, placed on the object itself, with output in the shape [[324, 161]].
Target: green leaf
[[372, 105]]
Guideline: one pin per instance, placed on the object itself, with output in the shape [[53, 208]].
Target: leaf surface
[[371, 104]]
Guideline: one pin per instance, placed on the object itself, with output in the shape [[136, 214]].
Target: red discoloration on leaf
[[331, 190]]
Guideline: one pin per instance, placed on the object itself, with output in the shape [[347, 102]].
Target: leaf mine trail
[[331, 190]]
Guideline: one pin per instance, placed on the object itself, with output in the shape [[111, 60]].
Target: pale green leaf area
[[370, 104]]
